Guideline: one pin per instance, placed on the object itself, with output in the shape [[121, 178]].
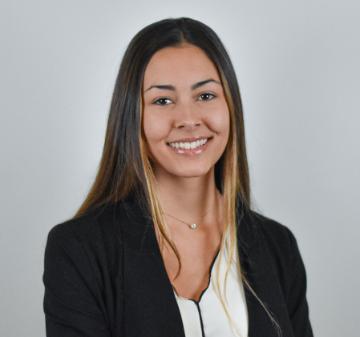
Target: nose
[[187, 116]]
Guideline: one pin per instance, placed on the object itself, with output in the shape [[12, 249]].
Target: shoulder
[[92, 228], [277, 244], [89, 245], [279, 248], [277, 236]]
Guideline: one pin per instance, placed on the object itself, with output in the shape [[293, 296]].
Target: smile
[[190, 148]]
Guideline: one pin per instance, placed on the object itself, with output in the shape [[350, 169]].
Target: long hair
[[125, 167]]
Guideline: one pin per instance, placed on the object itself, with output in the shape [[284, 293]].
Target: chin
[[186, 170], [191, 172]]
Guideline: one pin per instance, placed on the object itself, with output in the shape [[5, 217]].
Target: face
[[185, 114]]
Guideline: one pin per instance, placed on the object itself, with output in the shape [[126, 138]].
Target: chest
[[194, 276], [142, 301], [197, 252]]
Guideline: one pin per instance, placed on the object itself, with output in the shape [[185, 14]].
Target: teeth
[[188, 145]]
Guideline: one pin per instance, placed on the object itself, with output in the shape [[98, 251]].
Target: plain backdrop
[[298, 69]]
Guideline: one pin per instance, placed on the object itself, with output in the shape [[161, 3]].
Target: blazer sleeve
[[297, 302], [71, 301]]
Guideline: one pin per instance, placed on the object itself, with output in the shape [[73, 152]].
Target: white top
[[207, 317]]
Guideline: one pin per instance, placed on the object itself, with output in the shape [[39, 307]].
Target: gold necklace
[[190, 225]]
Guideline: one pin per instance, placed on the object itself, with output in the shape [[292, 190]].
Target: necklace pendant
[[193, 226]]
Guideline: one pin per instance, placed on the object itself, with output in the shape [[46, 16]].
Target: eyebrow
[[193, 87]]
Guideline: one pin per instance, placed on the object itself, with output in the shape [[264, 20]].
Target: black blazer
[[104, 277]]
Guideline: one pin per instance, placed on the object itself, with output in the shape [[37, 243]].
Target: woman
[[166, 243]]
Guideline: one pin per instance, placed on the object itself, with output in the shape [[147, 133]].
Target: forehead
[[185, 64]]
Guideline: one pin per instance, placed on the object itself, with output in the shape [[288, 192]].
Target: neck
[[191, 199]]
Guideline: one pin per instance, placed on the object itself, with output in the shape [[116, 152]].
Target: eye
[[161, 100], [206, 96]]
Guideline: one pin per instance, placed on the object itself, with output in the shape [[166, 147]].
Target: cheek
[[219, 120], [156, 128]]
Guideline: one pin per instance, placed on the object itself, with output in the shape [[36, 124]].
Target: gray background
[[298, 70]]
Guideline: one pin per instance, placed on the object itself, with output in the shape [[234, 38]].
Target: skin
[[186, 184]]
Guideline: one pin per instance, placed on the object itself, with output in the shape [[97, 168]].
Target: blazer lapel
[[150, 305]]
